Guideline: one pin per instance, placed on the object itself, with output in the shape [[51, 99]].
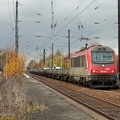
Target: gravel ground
[[51, 106], [118, 83]]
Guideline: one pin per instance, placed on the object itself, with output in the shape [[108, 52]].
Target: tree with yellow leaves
[[15, 64]]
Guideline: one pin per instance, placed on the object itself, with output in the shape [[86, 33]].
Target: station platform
[[44, 103]]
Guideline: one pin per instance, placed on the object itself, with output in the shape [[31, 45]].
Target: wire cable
[[71, 21], [72, 12], [76, 16], [100, 29]]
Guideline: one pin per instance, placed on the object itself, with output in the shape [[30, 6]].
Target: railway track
[[99, 101]]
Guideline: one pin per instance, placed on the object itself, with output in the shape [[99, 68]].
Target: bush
[[15, 64]]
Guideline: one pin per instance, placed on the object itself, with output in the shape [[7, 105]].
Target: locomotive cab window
[[104, 57], [108, 56]]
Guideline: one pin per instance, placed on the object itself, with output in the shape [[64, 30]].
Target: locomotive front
[[102, 66]]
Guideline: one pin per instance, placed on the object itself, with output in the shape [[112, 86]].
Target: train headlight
[[94, 71], [112, 71]]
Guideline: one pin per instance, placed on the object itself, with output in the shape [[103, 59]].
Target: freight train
[[94, 66]]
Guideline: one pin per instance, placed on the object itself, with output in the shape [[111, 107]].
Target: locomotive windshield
[[102, 57]]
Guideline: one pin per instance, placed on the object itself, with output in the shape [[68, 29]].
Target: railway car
[[94, 66]]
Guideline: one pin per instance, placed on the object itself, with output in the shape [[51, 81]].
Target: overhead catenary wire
[[95, 32], [45, 41], [67, 16], [101, 29], [104, 26], [75, 17], [71, 21], [72, 12]]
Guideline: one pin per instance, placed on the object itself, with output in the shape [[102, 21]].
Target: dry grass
[[35, 106], [12, 98]]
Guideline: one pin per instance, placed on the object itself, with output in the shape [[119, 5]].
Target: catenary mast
[[16, 28], [119, 39], [52, 27]]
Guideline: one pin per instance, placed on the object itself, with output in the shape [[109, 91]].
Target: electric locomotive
[[95, 66]]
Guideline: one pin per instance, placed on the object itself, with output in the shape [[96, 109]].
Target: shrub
[[15, 64]]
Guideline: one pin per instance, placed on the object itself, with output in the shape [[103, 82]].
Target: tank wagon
[[94, 66]]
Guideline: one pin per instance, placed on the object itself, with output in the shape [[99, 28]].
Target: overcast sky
[[92, 19]]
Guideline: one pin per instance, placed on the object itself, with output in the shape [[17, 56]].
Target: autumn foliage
[[15, 64]]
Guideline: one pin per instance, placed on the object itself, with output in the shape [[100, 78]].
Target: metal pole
[[16, 28], [52, 55], [44, 57], [69, 44], [118, 39]]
